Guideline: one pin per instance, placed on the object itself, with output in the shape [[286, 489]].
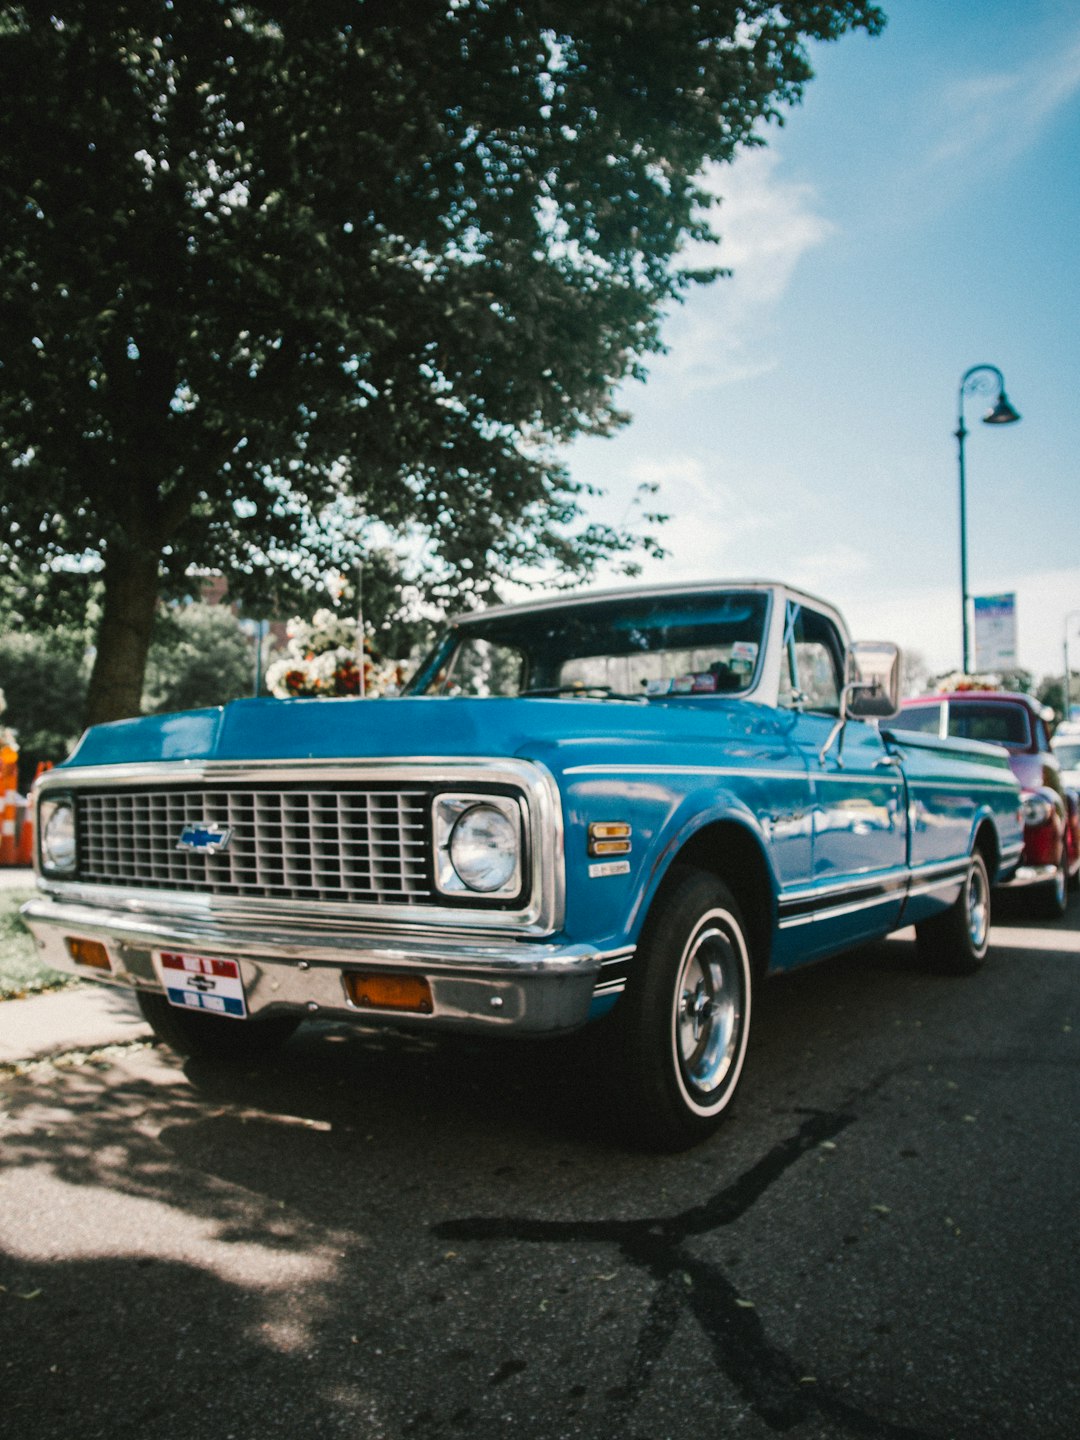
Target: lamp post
[[984, 378], [256, 630], [1067, 704]]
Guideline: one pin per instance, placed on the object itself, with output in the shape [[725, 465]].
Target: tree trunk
[[131, 592]]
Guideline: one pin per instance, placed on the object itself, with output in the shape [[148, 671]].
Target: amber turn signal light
[[389, 992], [609, 837], [88, 952]]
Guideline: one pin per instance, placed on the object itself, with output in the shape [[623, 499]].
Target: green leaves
[[404, 251]]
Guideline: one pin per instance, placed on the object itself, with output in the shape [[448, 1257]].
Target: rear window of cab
[[998, 723]]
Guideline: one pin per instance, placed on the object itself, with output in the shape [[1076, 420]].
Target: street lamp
[[1067, 706], [984, 378]]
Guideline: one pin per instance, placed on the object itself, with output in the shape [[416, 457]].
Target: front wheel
[[682, 1026], [216, 1037], [956, 943]]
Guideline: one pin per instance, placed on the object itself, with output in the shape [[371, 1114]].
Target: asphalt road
[[380, 1238]]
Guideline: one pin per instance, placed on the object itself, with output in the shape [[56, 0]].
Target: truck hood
[[554, 731]]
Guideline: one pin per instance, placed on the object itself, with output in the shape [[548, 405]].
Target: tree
[[915, 672], [46, 630], [44, 682], [260, 259], [1051, 692], [198, 656]]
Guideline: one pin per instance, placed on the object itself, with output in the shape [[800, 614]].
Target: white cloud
[[710, 520], [825, 572], [766, 224], [987, 118], [927, 620]]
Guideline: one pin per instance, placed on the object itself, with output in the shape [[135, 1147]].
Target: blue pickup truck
[[621, 809]]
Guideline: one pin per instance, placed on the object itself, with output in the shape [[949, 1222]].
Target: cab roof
[[639, 592]]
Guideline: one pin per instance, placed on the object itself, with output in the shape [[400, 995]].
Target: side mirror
[[874, 689]]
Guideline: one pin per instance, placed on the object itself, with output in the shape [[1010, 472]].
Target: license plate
[[198, 982]]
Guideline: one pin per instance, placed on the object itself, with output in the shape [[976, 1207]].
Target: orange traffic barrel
[[9, 788], [24, 847]]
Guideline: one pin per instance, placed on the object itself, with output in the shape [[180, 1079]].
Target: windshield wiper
[[583, 692]]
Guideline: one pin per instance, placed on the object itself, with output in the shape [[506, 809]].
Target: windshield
[[636, 646], [1068, 753]]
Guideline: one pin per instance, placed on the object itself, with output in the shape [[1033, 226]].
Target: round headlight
[[484, 848], [58, 835], [1037, 809]]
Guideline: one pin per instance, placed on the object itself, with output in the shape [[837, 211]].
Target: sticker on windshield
[[743, 656], [658, 687]]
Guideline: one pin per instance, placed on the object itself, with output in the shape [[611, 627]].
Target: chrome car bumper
[[1030, 875], [476, 984]]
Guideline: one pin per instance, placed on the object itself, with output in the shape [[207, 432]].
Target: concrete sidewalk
[[82, 1017]]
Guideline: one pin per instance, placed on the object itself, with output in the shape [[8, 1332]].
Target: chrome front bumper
[[530, 987]]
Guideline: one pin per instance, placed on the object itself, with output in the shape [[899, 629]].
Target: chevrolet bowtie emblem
[[207, 838]]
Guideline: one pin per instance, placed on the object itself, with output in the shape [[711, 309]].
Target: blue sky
[[918, 214]]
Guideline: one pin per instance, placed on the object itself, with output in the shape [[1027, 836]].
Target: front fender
[[1072, 832], [1043, 843], [669, 825], [682, 841]]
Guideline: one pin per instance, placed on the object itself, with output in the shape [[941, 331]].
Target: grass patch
[[21, 972]]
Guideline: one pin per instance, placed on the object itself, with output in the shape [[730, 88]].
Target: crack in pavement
[[770, 1381]]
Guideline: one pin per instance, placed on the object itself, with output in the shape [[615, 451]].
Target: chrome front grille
[[331, 842]]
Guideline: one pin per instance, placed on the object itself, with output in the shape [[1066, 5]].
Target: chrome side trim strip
[[836, 912], [614, 972], [778, 773], [931, 887], [805, 906], [752, 772]]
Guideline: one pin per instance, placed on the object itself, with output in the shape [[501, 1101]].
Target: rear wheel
[[956, 943], [681, 1029], [1052, 898], [194, 1033]]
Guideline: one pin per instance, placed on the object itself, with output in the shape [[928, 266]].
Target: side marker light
[[609, 837], [88, 952], [410, 993]]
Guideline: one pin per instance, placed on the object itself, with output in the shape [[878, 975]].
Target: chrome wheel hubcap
[[709, 1010], [978, 908]]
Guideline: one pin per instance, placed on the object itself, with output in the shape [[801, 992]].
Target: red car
[[1050, 864]]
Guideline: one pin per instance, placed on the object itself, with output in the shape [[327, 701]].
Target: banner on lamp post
[[995, 632]]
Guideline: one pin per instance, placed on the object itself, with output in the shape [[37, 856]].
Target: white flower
[[317, 654]]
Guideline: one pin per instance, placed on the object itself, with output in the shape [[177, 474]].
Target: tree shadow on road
[[380, 1235]]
